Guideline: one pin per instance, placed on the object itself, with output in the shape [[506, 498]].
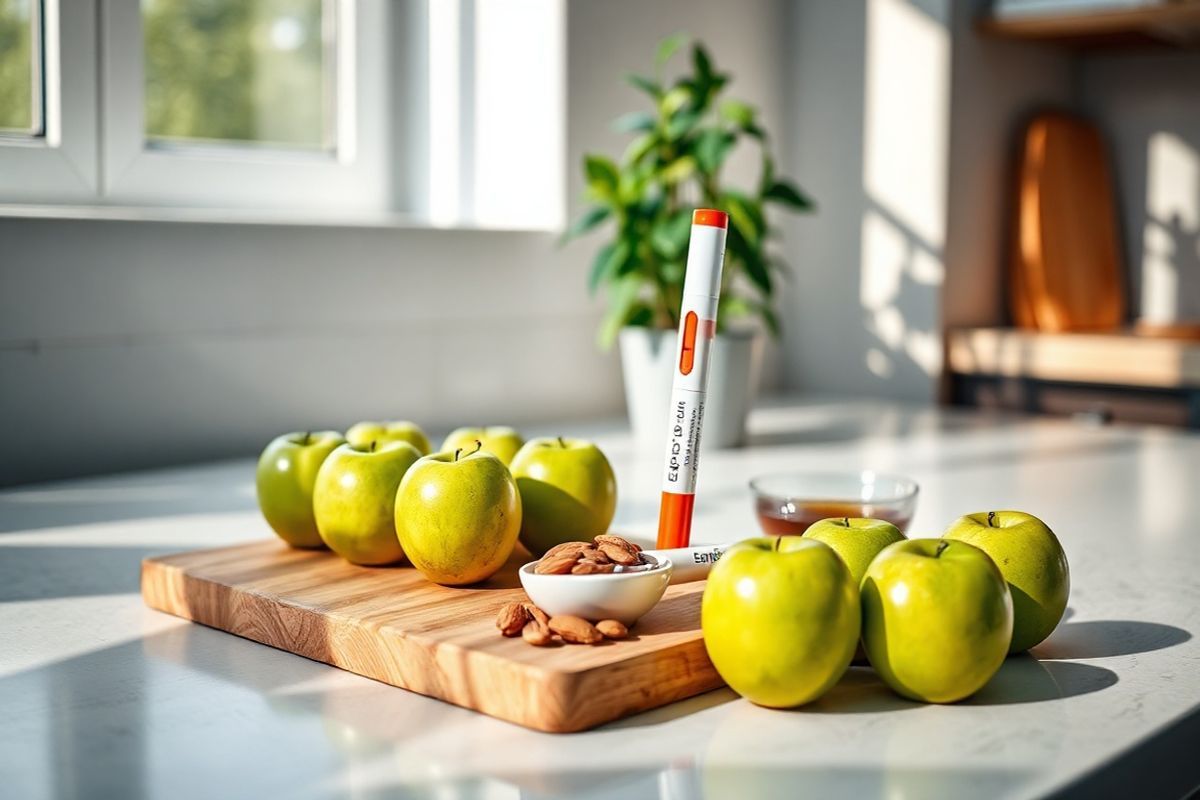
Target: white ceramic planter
[[646, 363]]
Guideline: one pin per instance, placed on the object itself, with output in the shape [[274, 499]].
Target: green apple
[[363, 433], [458, 515], [568, 492], [1031, 560], [287, 470], [499, 440], [780, 619], [856, 540], [937, 618], [354, 500]]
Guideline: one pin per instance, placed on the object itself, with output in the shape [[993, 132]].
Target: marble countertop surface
[[102, 697]]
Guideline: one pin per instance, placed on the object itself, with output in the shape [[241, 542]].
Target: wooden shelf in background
[[1176, 24], [1113, 359]]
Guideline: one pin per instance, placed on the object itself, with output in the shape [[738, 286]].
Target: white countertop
[[102, 697]]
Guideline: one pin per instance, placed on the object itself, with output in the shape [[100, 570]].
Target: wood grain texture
[[1120, 359], [1066, 272], [392, 625]]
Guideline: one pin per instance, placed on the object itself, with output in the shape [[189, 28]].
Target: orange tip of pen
[[710, 217], [675, 520]]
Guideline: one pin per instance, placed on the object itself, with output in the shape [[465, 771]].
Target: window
[[245, 72], [264, 104], [448, 110], [20, 68], [47, 101]]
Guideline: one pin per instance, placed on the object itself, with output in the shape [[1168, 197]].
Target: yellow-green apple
[[499, 440], [354, 500], [937, 618], [568, 492], [1032, 561], [287, 470], [458, 515], [780, 619], [363, 433], [856, 540]]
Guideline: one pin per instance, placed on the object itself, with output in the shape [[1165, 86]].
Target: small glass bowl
[[786, 503]]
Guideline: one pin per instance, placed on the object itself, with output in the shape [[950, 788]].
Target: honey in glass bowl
[[794, 519], [786, 504]]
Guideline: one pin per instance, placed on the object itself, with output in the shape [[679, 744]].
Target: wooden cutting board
[[392, 625], [1066, 270]]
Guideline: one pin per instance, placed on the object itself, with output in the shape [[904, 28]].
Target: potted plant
[[673, 165]]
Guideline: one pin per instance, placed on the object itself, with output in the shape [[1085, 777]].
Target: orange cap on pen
[[710, 217]]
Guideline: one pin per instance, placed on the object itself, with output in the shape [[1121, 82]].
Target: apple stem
[[941, 547], [561, 443], [478, 447], [307, 438], [991, 519], [373, 443], [778, 541], [846, 521]]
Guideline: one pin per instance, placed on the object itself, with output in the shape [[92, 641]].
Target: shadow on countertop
[[1109, 637]]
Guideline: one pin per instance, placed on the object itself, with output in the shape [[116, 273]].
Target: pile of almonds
[[536, 627], [602, 554]]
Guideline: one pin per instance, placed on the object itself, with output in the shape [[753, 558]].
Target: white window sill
[[239, 216]]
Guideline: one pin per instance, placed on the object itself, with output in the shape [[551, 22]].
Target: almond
[[556, 565], [536, 633], [565, 547], [537, 614], [624, 555], [513, 617], [575, 630], [593, 554], [616, 541], [586, 567], [612, 629]]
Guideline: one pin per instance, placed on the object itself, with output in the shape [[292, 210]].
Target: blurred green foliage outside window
[[17, 92], [241, 71]]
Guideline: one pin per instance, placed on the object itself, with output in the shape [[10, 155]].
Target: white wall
[[132, 344], [1148, 105], [903, 121]]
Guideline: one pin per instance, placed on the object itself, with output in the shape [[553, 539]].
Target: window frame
[[351, 176], [60, 164]]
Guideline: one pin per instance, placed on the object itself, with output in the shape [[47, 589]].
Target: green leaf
[[634, 121], [667, 48], [605, 264], [788, 194], [702, 64], [681, 124], [768, 173], [671, 273], [751, 259], [670, 237], [639, 147], [746, 215], [738, 113], [647, 85], [712, 146], [677, 98], [641, 316], [678, 170], [755, 131], [622, 304], [601, 176], [585, 222]]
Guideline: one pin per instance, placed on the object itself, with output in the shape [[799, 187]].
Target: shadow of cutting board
[[392, 625], [1066, 271]]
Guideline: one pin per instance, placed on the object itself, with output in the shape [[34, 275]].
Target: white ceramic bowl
[[623, 596]]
